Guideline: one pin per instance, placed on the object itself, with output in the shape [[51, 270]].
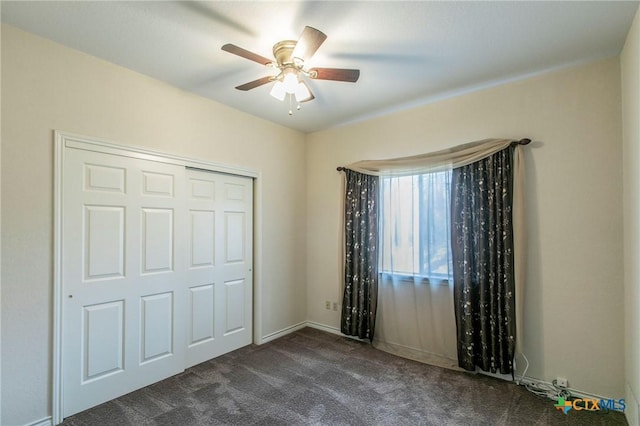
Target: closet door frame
[[64, 141]]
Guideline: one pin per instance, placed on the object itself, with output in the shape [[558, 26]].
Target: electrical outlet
[[562, 382], [335, 306], [327, 305]]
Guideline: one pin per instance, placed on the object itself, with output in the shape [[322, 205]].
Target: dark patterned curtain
[[361, 255], [482, 249]]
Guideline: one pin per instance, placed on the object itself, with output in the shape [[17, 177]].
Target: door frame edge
[[57, 394]]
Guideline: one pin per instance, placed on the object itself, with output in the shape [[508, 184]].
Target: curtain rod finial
[[340, 168], [525, 141]]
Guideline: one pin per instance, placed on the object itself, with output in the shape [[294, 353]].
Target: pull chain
[[291, 104]]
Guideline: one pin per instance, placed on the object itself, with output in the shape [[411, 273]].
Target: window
[[415, 226]]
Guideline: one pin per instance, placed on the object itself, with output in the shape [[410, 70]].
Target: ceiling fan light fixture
[[290, 82], [278, 91], [302, 92]]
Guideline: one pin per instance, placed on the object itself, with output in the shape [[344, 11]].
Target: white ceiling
[[408, 52]]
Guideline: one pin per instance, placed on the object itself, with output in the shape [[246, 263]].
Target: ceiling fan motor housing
[[282, 52]]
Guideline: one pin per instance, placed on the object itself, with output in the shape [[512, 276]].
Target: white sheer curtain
[[415, 226], [415, 301]]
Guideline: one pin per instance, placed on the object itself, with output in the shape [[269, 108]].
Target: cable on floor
[[543, 390]]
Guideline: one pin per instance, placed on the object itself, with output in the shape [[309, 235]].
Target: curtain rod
[[525, 141]]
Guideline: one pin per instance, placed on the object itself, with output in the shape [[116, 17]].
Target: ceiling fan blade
[[337, 74], [232, 48], [255, 83], [308, 43]]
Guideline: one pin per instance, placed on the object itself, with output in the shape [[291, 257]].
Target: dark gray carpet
[[315, 378]]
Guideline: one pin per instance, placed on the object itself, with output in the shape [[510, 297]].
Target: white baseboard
[[501, 376], [327, 328], [42, 422], [633, 407], [273, 336], [525, 380], [287, 330], [333, 330], [574, 392]]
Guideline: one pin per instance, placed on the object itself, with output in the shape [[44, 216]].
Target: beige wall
[[574, 302], [630, 67], [46, 86]]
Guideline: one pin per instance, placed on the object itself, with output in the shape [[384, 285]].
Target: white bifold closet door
[[156, 272]]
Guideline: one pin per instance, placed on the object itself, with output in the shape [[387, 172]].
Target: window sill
[[415, 279]]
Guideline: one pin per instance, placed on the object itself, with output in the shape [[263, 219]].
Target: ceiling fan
[[290, 57]]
